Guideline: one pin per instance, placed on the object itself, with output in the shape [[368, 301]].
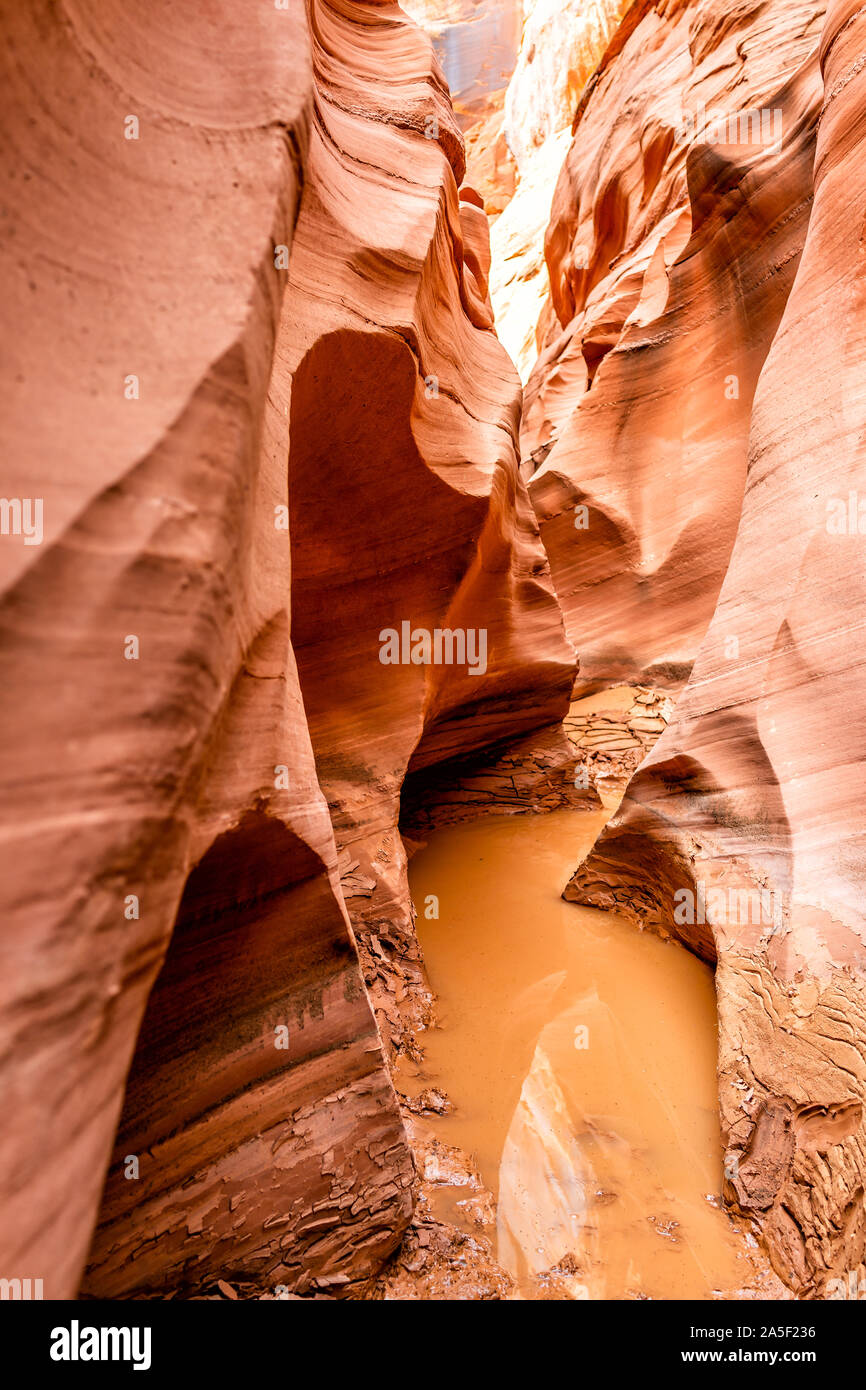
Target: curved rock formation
[[402, 451], [675, 233], [260, 346], [560, 47], [743, 831], [152, 711], [476, 42], [271, 575]]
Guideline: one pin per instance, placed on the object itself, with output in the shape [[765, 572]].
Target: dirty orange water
[[580, 1055]]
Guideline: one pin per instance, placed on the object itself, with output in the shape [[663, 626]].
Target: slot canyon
[[432, 549]]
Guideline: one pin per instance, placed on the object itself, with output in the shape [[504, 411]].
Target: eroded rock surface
[[150, 696], [672, 247], [560, 47], [290, 581], [743, 832], [403, 428], [448, 1252], [259, 256]]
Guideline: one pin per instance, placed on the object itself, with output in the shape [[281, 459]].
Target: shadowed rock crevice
[[212, 1174]]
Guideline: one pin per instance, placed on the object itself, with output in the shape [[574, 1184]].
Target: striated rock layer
[[287, 580], [675, 233], [150, 697], [403, 429], [743, 831], [559, 50], [258, 256], [476, 43]]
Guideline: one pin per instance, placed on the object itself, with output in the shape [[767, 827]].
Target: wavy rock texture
[[403, 428], [559, 50], [746, 817], [255, 387], [258, 256], [476, 45], [672, 248], [150, 692], [517, 120], [517, 94]]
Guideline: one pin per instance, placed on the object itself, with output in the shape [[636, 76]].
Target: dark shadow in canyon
[[258, 986]]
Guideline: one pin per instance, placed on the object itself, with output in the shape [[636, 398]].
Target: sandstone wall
[[560, 47], [255, 388], [202, 207], [746, 817], [141, 368], [672, 247], [403, 428]]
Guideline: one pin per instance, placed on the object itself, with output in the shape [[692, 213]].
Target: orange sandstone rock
[[743, 832], [560, 47], [675, 234], [403, 427], [263, 307]]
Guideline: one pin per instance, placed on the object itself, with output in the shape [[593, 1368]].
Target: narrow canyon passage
[[431, 570], [579, 1056]]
